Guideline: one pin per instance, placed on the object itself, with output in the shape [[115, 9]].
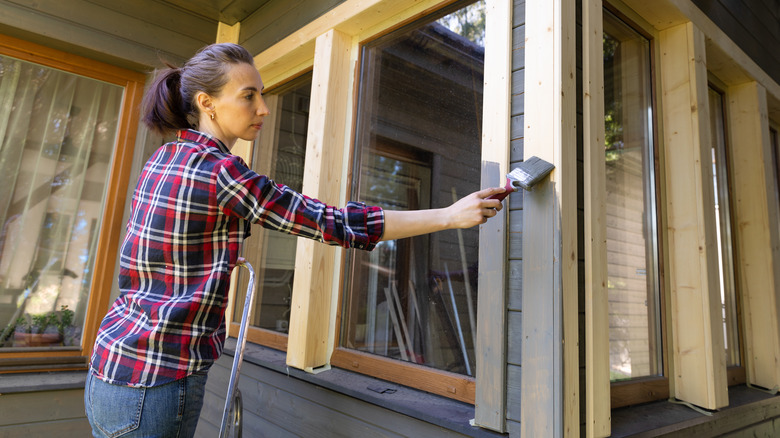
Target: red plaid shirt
[[191, 210]]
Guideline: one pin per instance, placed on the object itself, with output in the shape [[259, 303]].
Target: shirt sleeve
[[256, 198]]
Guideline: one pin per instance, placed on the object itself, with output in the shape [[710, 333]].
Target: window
[[280, 154], [60, 131], [418, 145], [722, 210], [632, 247]]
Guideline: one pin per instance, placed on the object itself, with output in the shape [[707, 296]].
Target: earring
[[212, 116]]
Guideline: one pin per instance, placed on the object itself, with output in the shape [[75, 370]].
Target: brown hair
[[169, 103]]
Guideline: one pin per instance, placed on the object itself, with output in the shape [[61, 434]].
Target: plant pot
[[36, 339]]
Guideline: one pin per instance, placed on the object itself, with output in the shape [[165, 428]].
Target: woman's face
[[239, 109]]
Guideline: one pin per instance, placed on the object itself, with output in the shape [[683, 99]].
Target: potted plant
[[45, 329]]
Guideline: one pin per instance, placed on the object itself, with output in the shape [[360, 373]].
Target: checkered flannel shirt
[[191, 210]]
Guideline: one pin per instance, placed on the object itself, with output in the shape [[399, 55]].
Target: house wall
[[753, 25], [515, 224], [285, 402]]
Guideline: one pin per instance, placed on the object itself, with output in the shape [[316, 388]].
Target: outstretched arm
[[467, 212]]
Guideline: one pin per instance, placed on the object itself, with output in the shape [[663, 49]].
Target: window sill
[[746, 407], [46, 381], [440, 411]]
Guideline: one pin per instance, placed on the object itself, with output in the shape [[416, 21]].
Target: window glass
[[634, 299], [418, 146], [58, 132], [723, 227], [279, 153]]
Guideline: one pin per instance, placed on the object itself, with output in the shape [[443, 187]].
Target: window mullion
[[757, 262], [313, 309], [490, 345], [699, 367], [597, 387]]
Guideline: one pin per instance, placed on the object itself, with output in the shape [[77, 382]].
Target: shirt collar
[[193, 136]]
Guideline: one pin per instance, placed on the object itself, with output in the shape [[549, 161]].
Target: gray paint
[[515, 221]]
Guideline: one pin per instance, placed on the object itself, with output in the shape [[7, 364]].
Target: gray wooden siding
[[134, 35], [41, 414], [279, 405], [515, 220], [753, 24], [138, 34]]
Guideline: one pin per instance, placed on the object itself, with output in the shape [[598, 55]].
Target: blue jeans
[[169, 410]]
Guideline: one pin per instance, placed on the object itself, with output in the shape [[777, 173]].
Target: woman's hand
[[467, 212], [474, 209]]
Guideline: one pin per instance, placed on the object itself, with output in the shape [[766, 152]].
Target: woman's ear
[[204, 102]]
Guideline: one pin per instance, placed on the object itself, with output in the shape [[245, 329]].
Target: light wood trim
[[451, 385], [313, 314], [697, 332], [362, 19], [116, 190], [638, 391], [597, 386], [227, 33], [754, 208], [550, 376], [264, 337], [490, 340]]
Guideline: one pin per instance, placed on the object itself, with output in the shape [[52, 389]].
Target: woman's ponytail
[[163, 109]]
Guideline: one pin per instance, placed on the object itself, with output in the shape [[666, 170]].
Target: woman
[[191, 210]]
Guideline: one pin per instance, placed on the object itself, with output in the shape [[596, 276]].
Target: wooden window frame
[[330, 46], [648, 388], [761, 95], [735, 374], [116, 192]]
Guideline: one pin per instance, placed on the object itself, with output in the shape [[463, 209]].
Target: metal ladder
[[232, 421]]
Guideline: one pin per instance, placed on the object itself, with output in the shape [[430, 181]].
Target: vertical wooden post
[[597, 389], [755, 213], [699, 361], [313, 315], [490, 345], [550, 377]]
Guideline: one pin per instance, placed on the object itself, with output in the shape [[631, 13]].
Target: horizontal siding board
[[89, 17], [518, 47], [26, 407], [284, 405], [77, 427], [514, 338], [514, 285], [513, 374], [160, 14], [62, 35]]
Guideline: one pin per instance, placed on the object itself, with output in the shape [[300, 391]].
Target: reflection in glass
[[58, 132], [720, 182], [418, 146], [279, 153], [634, 315]]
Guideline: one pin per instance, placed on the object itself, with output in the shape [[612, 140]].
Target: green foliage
[[39, 323]]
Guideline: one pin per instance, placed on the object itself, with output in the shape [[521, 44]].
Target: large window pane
[[634, 309], [418, 145], [279, 153], [722, 209], [58, 133]]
